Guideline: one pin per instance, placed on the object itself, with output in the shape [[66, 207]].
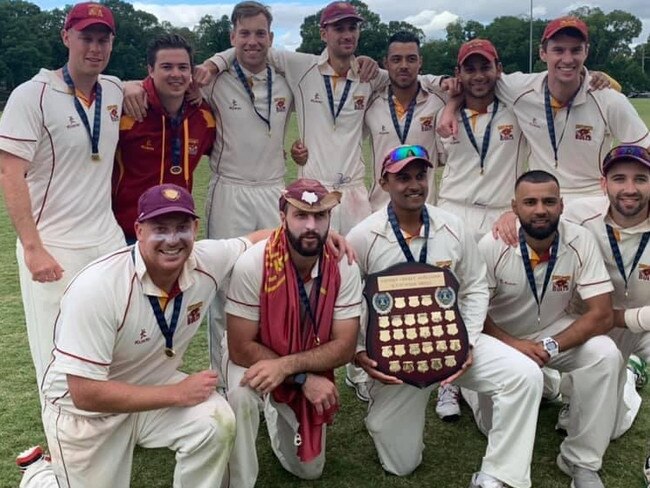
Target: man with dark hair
[[402, 231], [293, 316], [532, 286], [167, 145], [402, 112]]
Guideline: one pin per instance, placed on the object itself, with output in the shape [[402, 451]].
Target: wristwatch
[[299, 379], [551, 346]]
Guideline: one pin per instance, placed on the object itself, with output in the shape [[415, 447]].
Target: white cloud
[[432, 23]]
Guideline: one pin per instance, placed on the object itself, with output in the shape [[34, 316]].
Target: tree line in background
[[30, 39]]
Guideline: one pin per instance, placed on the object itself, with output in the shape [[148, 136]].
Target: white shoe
[[646, 470], [360, 389], [448, 406], [483, 480], [581, 477], [562, 424]]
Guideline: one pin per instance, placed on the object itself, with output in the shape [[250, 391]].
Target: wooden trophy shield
[[415, 330]]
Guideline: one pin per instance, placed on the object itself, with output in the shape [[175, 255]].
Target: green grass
[[453, 451]]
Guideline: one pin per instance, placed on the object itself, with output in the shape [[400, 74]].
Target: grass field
[[453, 451]]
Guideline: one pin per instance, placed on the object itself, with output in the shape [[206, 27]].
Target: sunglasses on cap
[[403, 152], [626, 151]]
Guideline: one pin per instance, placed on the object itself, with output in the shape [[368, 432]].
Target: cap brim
[[83, 24], [165, 211], [329, 201], [489, 57], [342, 17], [397, 167], [625, 158]]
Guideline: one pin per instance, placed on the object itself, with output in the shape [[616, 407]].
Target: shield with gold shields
[[415, 330]]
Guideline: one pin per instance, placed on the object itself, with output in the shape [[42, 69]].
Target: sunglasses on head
[[627, 151], [402, 152]]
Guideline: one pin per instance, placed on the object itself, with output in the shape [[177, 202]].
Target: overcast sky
[[430, 15]]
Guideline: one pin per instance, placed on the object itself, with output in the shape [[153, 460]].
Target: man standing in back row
[[58, 136]]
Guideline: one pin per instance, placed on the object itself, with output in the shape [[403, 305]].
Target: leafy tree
[[212, 36]]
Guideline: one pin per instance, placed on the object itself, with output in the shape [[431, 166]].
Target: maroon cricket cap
[[626, 152], [555, 26], [165, 199], [85, 14], [309, 196], [336, 11], [401, 156], [477, 46]]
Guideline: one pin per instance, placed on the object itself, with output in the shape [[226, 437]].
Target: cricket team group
[[541, 220]]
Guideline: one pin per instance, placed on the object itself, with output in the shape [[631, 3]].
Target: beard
[[296, 241], [642, 205], [540, 233]]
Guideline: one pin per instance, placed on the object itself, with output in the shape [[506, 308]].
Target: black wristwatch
[[299, 379]]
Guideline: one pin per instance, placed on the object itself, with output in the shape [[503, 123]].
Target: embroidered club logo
[[561, 282], [382, 303], [95, 10], [194, 313], [193, 146], [359, 102], [114, 112], [583, 132], [280, 104], [426, 124], [445, 297], [505, 132], [171, 194], [644, 272]]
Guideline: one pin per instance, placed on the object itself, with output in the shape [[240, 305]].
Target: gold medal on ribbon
[[175, 170], [96, 157], [169, 352]]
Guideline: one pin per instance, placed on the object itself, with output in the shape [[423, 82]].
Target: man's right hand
[[204, 73], [369, 366], [320, 392], [299, 152], [196, 388], [135, 100], [43, 267]]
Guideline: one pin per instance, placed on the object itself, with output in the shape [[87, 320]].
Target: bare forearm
[[18, 204], [249, 353], [327, 356], [119, 397], [590, 324], [490, 328]]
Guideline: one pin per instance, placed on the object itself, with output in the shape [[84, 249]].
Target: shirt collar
[[325, 68], [185, 280], [383, 228]]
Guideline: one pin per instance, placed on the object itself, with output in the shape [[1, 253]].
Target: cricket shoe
[[639, 369], [360, 389], [581, 477], [448, 405], [483, 480]]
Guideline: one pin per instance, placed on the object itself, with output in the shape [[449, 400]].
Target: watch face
[[550, 345]]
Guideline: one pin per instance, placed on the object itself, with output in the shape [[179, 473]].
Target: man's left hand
[[368, 68], [466, 365], [320, 392]]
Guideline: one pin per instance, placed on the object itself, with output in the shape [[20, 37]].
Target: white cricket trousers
[[234, 209], [396, 414], [41, 300], [97, 452], [282, 425]]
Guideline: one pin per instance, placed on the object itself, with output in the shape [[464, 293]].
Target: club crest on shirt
[[72, 123], [194, 312], [644, 272], [114, 112], [583, 132], [359, 102], [193, 146], [147, 146], [143, 337], [561, 282], [426, 124], [280, 104], [505, 132]]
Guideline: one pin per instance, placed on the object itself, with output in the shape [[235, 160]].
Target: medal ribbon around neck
[[486, 135], [530, 275], [392, 218], [409, 115], [619, 258], [251, 95], [550, 120], [167, 330], [306, 302], [330, 96], [94, 133]]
